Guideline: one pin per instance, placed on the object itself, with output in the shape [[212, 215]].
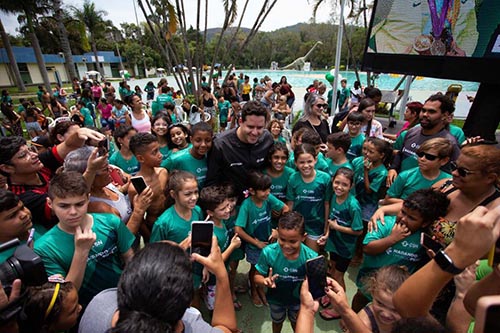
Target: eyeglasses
[[462, 172], [324, 106], [428, 157]]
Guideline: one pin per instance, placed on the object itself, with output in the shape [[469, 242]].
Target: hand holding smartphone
[[139, 184], [103, 147], [201, 237], [430, 244], [316, 276]]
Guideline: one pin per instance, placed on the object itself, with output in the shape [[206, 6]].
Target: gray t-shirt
[[99, 313]]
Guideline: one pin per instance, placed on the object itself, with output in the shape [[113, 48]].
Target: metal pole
[[337, 57], [404, 99]]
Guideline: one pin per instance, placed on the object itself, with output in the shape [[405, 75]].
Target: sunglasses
[[324, 106], [462, 172], [428, 157]]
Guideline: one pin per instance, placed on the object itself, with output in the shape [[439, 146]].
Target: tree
[[93, 20], [63, 38], [12, 60], [30, 9]]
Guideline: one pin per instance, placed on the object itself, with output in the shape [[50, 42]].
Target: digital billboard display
[[454, 39]]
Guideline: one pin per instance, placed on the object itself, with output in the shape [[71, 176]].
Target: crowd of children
[[314, 195]]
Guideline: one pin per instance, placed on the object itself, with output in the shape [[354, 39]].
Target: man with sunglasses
[[28, 173], [434, 120]]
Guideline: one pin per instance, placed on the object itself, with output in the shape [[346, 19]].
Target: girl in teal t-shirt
[[159, 128], [370, 174], [309, 192], [278, 171]]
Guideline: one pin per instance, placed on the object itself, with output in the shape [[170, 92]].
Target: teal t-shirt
[[162, 99], [88, 121], [411, 180], [166, 162], [224, 111], [130, 166], [407, 252], [377, 178], [291, 161], [256, 221], [332, 167], [458, 133], [170, 226], [165, 152], [183, 160], [279, 184], [356, 147], [321, 163], [291, 273], [347, 214], [280, 139], [104, 264], [309, 199]]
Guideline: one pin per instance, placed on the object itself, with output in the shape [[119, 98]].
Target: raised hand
[[270, 280]]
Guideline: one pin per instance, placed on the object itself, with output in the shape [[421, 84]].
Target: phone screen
[[139, 184], [487, 314], [429, 243], [103, 147], [316, 276], [201, 237]]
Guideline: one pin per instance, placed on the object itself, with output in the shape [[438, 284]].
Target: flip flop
[[324, 301], [329, 314], [257, 303]]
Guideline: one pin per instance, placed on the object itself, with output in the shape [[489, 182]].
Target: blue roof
[[27, 55]]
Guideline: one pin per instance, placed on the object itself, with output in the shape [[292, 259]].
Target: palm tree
[[63, 38], [93, 20], [30, 9], [12, 59]]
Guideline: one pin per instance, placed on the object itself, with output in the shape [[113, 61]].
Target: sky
[[284, 13]]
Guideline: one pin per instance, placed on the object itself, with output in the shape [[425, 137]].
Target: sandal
[[329, 314], [256, 301], [237, 305], [324, 301]]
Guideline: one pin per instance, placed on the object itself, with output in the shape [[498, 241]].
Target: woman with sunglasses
[[312, 116]]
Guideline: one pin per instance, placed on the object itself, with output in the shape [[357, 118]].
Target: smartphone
[[103, 147], [316, 276], [494, 254], [487, 314], [139, 184], [429, 243], [201, 237], [117, 176]]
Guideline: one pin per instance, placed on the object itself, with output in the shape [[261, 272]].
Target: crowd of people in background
[[281, 180]]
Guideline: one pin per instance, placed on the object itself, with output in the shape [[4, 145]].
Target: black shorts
[[341, 263], [245, 97], [223, 124]]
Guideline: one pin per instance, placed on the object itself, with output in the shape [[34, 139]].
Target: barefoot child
[[146, 149], [281, 268], [254, 225]]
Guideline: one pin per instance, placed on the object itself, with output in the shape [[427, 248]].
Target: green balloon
[[329, 77]]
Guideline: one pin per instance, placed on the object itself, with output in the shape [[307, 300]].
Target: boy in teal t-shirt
[[282, 268], [215, 203], [90, 250], [432, 155], [224, 107], [397, 241], [354, 122], [253, 225], [338, 145]]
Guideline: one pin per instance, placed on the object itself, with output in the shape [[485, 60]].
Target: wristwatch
[[445, 263]]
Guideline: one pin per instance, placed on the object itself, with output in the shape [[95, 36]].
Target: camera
[[25, 265]]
